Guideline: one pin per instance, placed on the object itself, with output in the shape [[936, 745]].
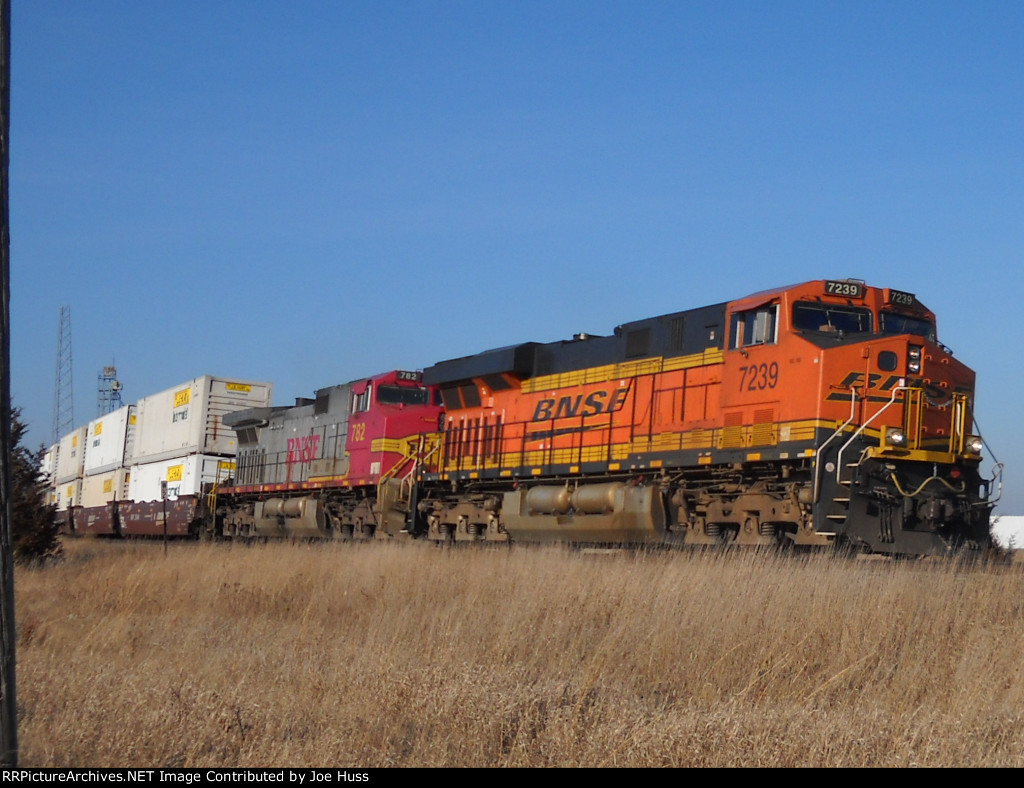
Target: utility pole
[[8, 700]]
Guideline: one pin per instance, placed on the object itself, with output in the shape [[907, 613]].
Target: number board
[[900, 298], [840, 288]]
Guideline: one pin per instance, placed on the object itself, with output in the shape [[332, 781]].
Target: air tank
[[294, 517], [598, 498], [549, 500]]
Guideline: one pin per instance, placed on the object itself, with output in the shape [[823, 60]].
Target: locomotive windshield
[[402, 395], [893, 323], [831, 318]]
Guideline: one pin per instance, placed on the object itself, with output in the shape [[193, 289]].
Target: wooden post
[[163, 499], [8, 697]]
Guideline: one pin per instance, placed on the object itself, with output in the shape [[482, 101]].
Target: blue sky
[[310, 192]]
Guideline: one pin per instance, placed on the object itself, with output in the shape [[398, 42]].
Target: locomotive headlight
[[973, 444], [914, 359], [894, 436]]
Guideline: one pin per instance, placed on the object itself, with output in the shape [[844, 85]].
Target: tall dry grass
[[408, 655]]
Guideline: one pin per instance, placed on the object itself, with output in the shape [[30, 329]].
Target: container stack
[[180, 437], [165, 446], [106, 476], [68, 469], [47, 468]]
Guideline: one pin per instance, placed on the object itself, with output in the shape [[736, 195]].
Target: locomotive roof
[[511, 358], [674, 334], [251, 417]]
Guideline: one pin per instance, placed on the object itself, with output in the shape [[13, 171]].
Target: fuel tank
[[595, 513]]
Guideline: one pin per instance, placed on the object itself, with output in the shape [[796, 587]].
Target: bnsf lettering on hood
[[303, 449], [591, 404]]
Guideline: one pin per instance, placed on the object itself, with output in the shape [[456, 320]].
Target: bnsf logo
[[856, 380], [566, 407], [873, 381], [303, 449]]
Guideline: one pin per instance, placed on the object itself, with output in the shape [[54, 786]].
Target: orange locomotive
[[822, 413]]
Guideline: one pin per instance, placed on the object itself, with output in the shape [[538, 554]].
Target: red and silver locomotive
[[343, 463]]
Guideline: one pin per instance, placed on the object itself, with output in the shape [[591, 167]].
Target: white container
[[70, 456], [184, 476], [186, 419], [68, 494], [48, 466], [102, 488], [106, 440]]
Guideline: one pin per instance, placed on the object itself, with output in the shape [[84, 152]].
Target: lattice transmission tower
[[63, 397]]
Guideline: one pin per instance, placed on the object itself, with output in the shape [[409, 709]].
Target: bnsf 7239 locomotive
[[818, 414]]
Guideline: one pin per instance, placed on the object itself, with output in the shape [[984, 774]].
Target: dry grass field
[[409, 655]]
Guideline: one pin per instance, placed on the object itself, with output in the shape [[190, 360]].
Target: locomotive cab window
[[361, 400], [402, 395], [837, 319], [755, 326], [894, 324]]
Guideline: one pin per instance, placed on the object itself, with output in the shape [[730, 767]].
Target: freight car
[[822, 414]]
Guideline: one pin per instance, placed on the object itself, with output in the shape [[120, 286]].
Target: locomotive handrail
[[997, 474], [211, 496], [414, 453], [414, 457], [408, 481], [432, 447], [997, 470], [862, 427], [839, 430], [407, 454]]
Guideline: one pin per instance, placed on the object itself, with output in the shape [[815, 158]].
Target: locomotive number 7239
[[758, 377]]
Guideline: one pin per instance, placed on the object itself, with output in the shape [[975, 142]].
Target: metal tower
[[63, 398], [109, 391]]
